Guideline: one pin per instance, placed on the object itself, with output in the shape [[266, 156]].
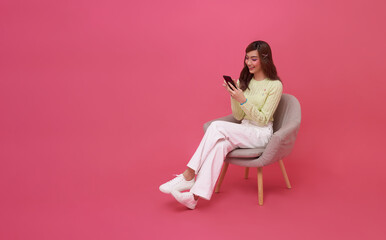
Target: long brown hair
[[266, 61]]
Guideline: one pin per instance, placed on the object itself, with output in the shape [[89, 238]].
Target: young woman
[[253, 101]]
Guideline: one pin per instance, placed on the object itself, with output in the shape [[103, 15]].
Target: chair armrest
[[288, 132], [280, 145], [228, 118]]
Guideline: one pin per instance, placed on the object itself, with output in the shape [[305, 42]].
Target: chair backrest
[[288, 112]]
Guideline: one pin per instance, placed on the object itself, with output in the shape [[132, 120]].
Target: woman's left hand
[[235, 92]]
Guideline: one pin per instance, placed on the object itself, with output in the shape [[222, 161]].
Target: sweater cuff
[[245, 105]]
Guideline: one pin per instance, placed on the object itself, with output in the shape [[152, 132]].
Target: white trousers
[[220, 138]]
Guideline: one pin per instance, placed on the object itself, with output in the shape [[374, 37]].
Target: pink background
[[102, 101]]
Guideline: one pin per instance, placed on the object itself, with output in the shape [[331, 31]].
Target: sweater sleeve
[[264, 113], [237, 112]]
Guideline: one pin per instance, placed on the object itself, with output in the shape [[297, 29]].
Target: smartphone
[[229, 81]]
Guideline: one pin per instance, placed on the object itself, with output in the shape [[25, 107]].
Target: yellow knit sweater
[[263, 98]]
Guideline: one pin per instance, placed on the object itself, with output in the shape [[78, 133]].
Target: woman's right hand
[[235, 92]]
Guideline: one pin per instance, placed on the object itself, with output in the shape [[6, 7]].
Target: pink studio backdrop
[[102, 101]]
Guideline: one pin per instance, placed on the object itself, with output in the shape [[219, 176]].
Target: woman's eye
[[254, 60]]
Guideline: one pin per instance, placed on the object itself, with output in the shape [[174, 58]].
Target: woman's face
[[253, 62]]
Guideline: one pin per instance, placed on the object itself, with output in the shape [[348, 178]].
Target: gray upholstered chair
[[286, 126]]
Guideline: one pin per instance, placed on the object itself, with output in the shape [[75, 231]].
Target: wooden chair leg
[[246, 173], [222, 175], [260, 184], [287, 182]]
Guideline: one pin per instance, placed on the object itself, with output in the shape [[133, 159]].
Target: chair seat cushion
[[246, 153]]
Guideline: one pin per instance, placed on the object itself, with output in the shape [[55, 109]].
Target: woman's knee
[[215, 125], [219, 127], [218, 123]]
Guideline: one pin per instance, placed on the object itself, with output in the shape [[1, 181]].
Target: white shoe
[[178, 183], [185, 198]]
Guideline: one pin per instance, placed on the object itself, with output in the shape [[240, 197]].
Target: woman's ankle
[[195, 197], [189, 174]]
